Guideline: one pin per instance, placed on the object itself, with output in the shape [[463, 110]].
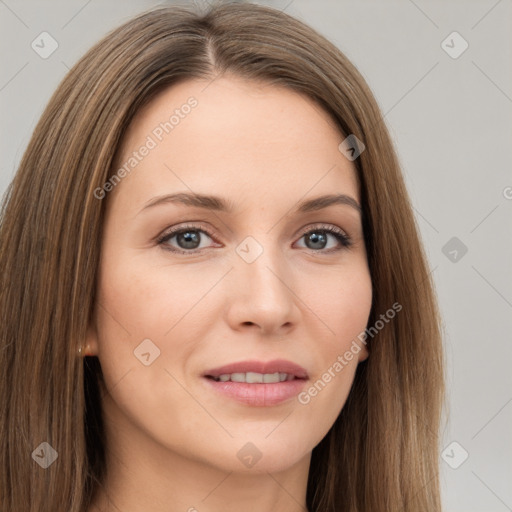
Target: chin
[[260, 455]]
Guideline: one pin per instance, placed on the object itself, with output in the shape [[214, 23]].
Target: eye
[[187, 238], [317, 238]]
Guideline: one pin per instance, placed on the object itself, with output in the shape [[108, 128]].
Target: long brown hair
[[381, 454]]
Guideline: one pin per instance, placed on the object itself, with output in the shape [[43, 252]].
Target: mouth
[[258, 383], [253, 377]]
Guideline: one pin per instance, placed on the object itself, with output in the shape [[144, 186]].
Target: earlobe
[[363, 355], [91, 342]]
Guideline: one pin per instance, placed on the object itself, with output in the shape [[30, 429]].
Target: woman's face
[[259, 283]]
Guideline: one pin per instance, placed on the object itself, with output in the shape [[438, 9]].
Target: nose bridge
[[261, 275], [260, 261]]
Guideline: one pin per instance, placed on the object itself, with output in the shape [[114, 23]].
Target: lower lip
[[259, 395]]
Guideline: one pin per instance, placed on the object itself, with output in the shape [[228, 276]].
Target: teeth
[[252, 377], [270, 377], [255, 378]]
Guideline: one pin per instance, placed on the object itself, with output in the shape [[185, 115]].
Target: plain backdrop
[[447, 100]]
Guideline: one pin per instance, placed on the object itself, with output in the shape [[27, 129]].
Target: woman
[[214, 295]]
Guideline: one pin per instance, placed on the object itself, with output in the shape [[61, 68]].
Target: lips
[[257, 383]]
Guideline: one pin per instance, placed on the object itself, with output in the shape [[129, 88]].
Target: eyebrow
[[219, 204]]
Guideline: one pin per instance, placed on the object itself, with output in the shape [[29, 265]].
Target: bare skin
[[173, 442]]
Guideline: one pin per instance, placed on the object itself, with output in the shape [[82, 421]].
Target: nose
[[261, 294]]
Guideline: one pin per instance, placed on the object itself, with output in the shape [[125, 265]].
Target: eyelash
[[344, 240]]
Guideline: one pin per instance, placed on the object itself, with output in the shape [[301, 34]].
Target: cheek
[[341, 300], [162, 304], [141, 315], [342, 303], [149, 300]]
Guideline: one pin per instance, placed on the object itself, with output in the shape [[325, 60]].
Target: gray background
[[451, 122]]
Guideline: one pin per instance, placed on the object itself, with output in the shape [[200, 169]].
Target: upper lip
[[275, 366]]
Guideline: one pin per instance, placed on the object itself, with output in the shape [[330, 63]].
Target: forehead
[[235, 137]]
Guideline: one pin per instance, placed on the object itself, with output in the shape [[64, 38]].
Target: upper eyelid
[[175, 230], [201, 227]]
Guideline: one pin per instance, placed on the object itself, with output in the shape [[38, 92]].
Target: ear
[[363, 354], [91, 342]]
